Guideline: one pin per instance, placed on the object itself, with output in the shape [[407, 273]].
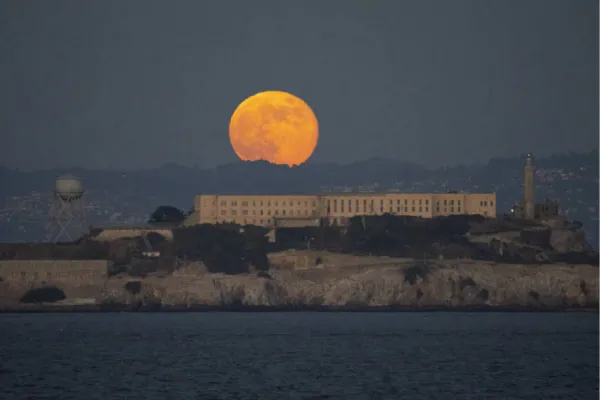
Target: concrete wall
[[54, 271]]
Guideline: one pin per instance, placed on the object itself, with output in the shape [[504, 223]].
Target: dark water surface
[[299, 356]]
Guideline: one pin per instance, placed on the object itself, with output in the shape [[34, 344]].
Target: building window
[[405, 202], [458, 202], [452, 209], [397, 209], [445, 202], [222, 212], [492, 203], [244, 212], [458, 209], [413, 209], [233, 212], [451, 202], [420, 202], [283, 211], [282, 203], [426, 209], [426, 202], [244, 204], [420, 209]]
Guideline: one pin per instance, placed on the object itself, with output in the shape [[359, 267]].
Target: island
[[378, 262]]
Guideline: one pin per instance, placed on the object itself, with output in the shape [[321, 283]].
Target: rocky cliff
[[311, 279], [408, 284]]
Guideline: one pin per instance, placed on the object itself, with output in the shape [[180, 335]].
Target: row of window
[[398, 210], [298, 213], [56, 275], [284, 203], [342, 203]]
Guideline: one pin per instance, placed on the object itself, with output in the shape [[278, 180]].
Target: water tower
[[67, 213]]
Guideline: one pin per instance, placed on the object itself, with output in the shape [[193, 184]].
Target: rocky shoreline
[[157, 308], [397, 285]]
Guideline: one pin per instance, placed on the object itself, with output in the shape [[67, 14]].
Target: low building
[[110, 233], [334, 209]]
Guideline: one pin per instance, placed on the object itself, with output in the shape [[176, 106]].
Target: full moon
[[274, 126]]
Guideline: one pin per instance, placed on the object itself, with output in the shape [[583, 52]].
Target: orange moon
[[274, 126]]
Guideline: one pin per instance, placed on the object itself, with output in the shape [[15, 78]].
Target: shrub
[[49, 294], [133, 287], [412, 273]]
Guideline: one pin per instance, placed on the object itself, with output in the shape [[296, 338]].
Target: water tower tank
[[69, 187]]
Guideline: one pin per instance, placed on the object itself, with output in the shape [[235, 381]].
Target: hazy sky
[[112, 84]]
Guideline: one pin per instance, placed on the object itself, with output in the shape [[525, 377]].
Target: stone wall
[[322, 259], [49, 271]]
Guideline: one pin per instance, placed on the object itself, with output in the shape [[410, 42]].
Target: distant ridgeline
[[233, 249], [570, 179]]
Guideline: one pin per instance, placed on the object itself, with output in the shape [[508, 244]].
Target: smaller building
[[71, 271], [110, 233], [547, 210]]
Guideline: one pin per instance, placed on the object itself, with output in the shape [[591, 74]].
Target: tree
[[167, 215]]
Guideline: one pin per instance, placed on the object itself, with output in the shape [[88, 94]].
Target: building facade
[[335, 209]]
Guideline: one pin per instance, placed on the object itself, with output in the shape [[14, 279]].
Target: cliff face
[[441, 284]]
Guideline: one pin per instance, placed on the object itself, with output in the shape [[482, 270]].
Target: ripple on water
[[300, 355]]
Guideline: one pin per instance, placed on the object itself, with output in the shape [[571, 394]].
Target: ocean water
[[302, 355]]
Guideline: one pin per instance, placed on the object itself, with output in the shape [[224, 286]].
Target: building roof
[[340, 194], [133, 227]]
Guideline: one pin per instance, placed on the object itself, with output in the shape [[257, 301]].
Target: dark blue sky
[[128, 84]]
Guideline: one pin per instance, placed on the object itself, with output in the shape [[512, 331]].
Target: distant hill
[[130, 196]]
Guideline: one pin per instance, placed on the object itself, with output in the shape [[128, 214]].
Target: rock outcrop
[[464, 284]]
